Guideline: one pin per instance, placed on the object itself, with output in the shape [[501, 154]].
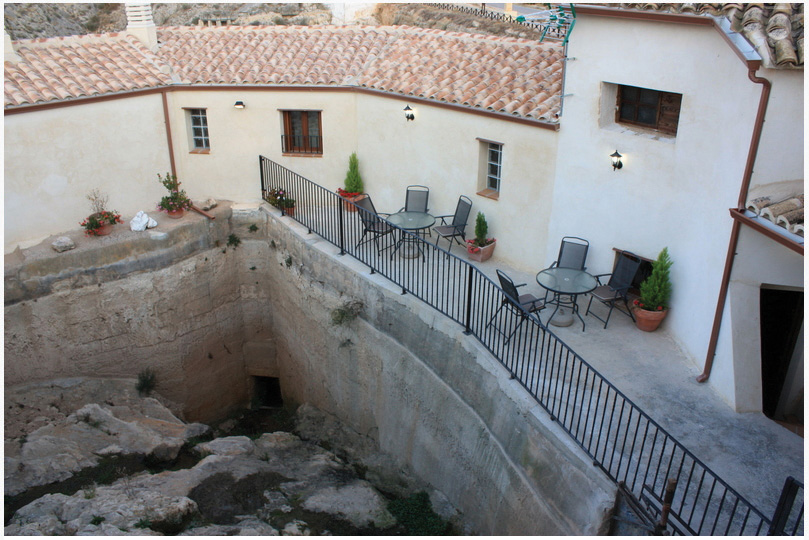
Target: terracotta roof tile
[[520, 77], [66, 68]]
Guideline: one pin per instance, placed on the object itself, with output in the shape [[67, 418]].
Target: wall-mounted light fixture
[[616, 160], [409, 113], [239, 104]]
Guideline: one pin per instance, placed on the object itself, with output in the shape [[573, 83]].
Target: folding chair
[[371, 223], [617, 287], [457, 227], [520, 305]]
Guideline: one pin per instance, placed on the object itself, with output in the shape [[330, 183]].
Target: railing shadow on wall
[[666, 484]]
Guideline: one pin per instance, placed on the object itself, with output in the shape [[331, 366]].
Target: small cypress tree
[[481, 230], [655, 291], [353, 181]]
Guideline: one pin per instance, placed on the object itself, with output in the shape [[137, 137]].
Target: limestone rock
[[227, 446], [357, 502], [296, 527], [208, 204], [63, 243], [141, 222]]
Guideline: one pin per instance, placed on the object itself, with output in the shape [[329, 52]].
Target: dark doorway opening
[[782, 355], [267, 392]]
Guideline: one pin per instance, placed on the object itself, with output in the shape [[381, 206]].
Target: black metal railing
[[621, 439], [300, 144]]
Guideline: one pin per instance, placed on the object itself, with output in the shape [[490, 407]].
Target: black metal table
[[566, 284], [410, 222]]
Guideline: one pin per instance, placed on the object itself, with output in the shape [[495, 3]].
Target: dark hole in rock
[[268, 392]]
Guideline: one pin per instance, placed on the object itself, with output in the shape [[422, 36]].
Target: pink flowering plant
[[655, 291], [280, 198], [481, 238], [176, 199]]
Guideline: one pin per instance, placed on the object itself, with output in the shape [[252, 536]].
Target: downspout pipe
[[734, 233], [167, 120]]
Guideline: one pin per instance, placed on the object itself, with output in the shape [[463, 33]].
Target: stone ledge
[[39, 270]]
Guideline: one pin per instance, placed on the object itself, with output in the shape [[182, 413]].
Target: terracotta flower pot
[[104, 230], [648, 321], [289, 211], [350, 207], [483, 254], [176, 214]]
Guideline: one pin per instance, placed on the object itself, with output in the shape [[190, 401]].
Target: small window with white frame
[[199, 140], [490, 168]]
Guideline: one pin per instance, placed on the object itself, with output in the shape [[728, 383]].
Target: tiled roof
[[774, 30], [786, 213], [64, 68], [507, 75]]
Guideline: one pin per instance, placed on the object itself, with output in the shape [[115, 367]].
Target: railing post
[[261, 172], [784, 508], [468, 324], [341, 224], [668, 496]]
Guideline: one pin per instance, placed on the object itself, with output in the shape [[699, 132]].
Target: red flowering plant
[[176, 199], [481, 238], [100, 216], [655, 291], [93, 223]]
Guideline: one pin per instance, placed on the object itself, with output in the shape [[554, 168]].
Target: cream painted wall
[[671, 192], [53, 158], [238, 136], [439, 149]]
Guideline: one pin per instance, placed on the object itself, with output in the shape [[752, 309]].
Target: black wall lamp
[[239, 104], [409, 113], [616, 160]]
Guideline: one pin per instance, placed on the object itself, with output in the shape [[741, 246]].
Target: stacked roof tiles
[[775, 30], [786, 213], [512, 76]]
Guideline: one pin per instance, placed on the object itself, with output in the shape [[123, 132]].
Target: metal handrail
[[622, 440]]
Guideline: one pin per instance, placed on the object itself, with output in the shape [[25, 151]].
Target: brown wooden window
[[302, 133], [648, 108]]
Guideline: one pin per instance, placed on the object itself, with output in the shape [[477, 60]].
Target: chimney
[[140, 24], [9, 54]]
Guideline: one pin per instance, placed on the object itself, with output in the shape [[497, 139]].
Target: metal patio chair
[[519, 304], [572, 254], [371, 223], [451, 230], [416, 200], [617, 288]]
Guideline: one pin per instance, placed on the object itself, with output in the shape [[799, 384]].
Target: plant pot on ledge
[[648, 321], [176, 214], [350, 198], [480, 254]]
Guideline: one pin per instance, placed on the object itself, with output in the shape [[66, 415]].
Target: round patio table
[[410, 222], [566, 284]]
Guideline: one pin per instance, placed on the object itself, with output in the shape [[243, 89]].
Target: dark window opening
[[781, 327], [302, 133], [652, 109], [267, 392], [199, 129]]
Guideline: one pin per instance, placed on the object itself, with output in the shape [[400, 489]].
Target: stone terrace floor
[[750, 452]]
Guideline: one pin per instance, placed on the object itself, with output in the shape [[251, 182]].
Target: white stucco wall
[[53, 158], [737, 366], [440, 149], [671, 192], [238, 136]]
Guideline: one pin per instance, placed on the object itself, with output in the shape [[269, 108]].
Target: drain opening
[[267, 392]]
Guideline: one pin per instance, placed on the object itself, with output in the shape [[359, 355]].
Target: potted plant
[[655, 291], [281, 199], [353, 184], [100, 222], [481, 247], [176, 202]]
